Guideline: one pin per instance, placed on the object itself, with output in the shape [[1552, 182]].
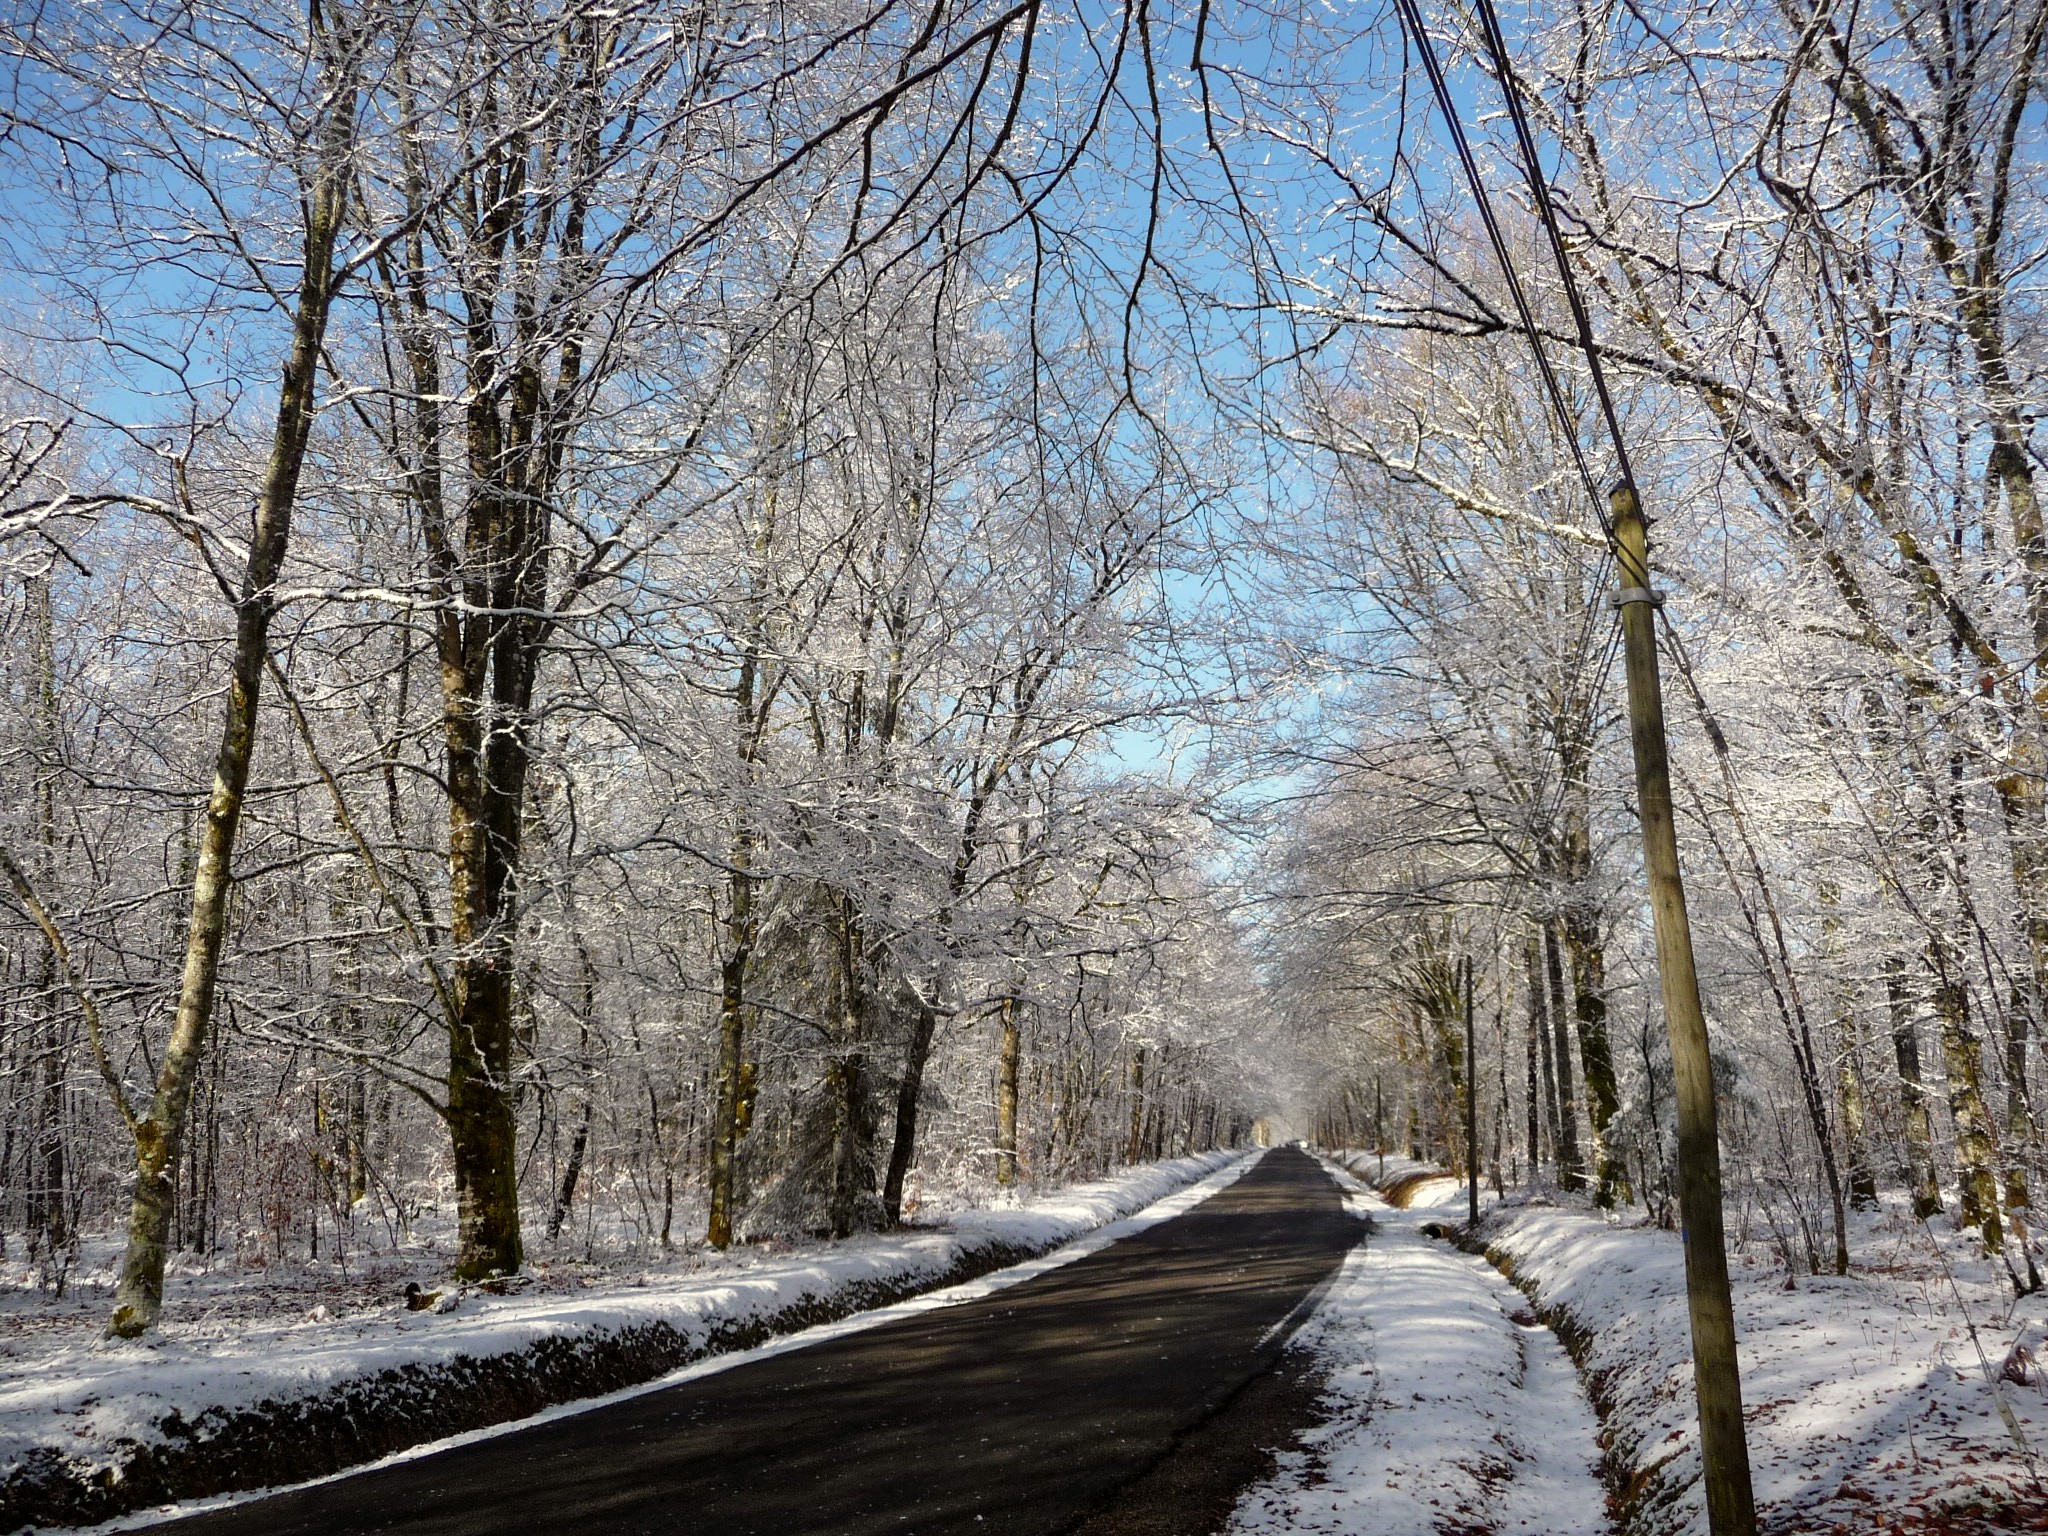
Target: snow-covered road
[[1451, 1408]]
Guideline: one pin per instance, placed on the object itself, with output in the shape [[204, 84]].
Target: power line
[[1581, 651], [1411, 18], [1539, 193]]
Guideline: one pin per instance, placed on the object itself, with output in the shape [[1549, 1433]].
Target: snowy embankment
[[1868, 1407], [1449, 1407], [92, 1431]]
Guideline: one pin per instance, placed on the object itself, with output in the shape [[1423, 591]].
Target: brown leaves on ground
[[1921, 1520], [1398, 1192]]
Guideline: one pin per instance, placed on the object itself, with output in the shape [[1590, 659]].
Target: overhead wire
[[1575, 673], [1539, 194], [1411, 19]]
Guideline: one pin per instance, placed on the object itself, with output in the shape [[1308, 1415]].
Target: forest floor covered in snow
[[274, 1375], [1869, 1409]]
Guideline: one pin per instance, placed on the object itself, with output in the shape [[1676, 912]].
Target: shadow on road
[[1024, 1412]]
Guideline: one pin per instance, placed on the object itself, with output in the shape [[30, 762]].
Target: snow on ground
[[1450, 1407], [367, 1255], [83, 1397], [1863, 1393], [1867, 1406]]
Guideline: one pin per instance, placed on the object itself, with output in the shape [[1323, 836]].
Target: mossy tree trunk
[[1008, 1054], [1976, 1137], [159, 1131]]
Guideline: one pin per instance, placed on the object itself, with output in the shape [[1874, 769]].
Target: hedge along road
[[1024, 1412]]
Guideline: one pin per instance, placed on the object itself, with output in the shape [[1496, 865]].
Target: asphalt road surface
[[1088, 1399]]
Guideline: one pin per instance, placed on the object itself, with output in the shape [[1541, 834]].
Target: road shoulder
[[1447, 1405]]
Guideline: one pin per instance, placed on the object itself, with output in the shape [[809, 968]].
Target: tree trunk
[[45, 1191], [1539, 1029], [2022, 799], [1136, 1143], [356, 1128], [1912, 1094], [850, 1171], [517, 328], [1855, 1114], [1502, 1098], [1581, 925], [2020, 1142], [48, 1229], [1006, 1096], [1571, 1173], [903, 1142], [730, 1107], [571, 1173], [1976, 1140], [160, 1131], [481, 1129], [846, 1081], [483, 1133], [1531, 1098], [1578, 926], [1848, 1046], [728, 1112], [918, 1049], [345, 981], [2019, 1106]]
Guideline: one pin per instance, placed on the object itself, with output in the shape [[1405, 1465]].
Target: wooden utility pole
[[1731, 1506], [1471, 1106]]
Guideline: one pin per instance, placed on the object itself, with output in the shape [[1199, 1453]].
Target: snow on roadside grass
[[1866, 1406], [93, 1404], [1450, 1408], [1863, 1395]]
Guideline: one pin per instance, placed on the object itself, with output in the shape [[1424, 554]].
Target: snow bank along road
[[226, 1399], [1448, 1407], [1021, 1412]]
